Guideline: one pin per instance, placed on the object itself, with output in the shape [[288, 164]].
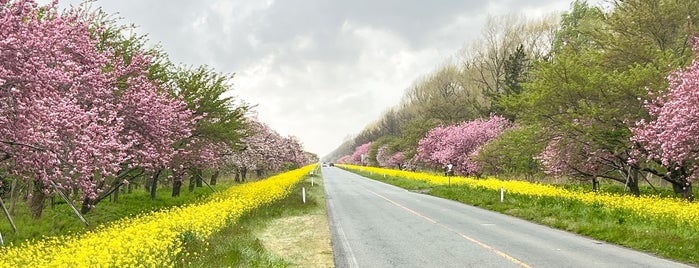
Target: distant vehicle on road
[[332, 165]]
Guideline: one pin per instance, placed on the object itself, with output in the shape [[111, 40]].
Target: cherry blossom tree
[[457, 144], [263, 149], [74, 112], [347, 159], [672, 135], [396, 160], [58, 111], [382, 156], [389, 159], [359, 157], [564, 157]]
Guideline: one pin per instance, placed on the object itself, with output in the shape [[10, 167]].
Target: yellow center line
[[481, 244]]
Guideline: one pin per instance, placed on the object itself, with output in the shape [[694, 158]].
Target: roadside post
[[502, 194]]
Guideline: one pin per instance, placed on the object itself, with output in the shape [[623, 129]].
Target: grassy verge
[[662, 238], [59, 219], [287, 233]]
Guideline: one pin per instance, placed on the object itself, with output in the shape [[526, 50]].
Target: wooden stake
[[75, 210], [207, 184], [9, 218]]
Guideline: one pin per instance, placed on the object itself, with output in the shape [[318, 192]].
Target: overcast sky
[[320, 70]]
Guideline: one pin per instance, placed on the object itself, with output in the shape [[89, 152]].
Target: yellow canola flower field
[[153, 239], [672, 210]]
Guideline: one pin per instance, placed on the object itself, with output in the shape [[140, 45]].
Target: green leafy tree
[[593, 88], [513, 153], [222, 120]]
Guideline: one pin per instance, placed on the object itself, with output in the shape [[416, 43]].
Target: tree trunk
[[633, 182], [687, 193], [154, 184], [192, 183], [176, 187], [595, 184], [115, 195], [199, 174], [13, 196], [86, 206], [243, 174], [214, 177], [684, 188], [37, 202], [258, 173]]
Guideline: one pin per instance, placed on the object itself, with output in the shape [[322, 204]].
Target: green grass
[[60, 219], [662, 238], [238, 245]]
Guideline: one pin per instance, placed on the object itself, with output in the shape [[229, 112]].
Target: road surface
[[374, 224]]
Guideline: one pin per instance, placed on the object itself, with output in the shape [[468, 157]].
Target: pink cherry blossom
[[458, 144]]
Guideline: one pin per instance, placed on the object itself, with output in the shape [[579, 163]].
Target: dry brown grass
[[302, 240]]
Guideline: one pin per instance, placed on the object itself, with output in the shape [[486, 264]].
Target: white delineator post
[[502, 194], [303, 192]]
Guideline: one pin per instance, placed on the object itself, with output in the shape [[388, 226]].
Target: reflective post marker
[[502, 194]]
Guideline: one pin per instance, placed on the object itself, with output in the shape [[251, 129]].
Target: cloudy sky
[[320, 70]]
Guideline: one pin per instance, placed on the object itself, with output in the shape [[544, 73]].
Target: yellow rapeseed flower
[[672, 210], [152, 239]]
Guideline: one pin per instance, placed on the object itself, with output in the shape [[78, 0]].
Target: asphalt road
[[378, 225]]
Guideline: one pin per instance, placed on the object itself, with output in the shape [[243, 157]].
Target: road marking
[[491, 249], [348, 249], [350, 258], [481, 244]]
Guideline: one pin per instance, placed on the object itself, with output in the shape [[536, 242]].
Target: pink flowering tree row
[[360, 156], [458, 144], [265, 150], [85, 110], [75, 113]]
